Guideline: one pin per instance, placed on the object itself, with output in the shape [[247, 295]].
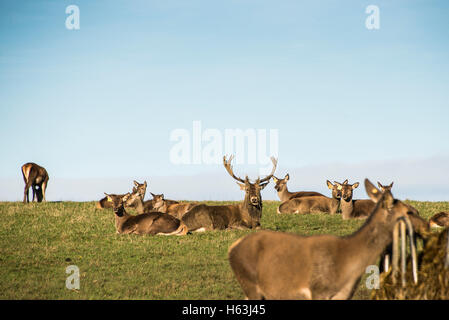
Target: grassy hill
[[38, 241]]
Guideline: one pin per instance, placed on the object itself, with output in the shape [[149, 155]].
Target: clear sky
[[98, 104]]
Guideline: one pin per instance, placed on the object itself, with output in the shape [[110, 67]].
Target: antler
[[275, 163], [228, 167]]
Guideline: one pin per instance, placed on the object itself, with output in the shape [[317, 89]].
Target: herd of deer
[[269, 264]]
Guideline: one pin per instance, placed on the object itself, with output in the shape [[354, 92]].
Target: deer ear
[[162, 196], [145, 184], [355, 185], [136, 183], [391, 184], [275, 179], [379, 185], [287, 177], [153, 194], [346, 181], [329, 184], [372, 191]]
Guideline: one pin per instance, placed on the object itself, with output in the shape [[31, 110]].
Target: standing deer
[[246, 214], [36, 177], [139, 188], [284, 194], [314, 204], [153, 223], [278, 265]]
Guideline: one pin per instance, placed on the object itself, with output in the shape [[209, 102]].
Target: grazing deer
[[285, 195], [439, 220], [313, 204], [246, 214], [141, 188], [36, 177], [278, 265], [153, 223]]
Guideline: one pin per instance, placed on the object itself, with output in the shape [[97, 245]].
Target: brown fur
[[151, 223], [278, 265], [140, 188], [285, 195], [439, 220], [37, 178], [314, 204], [243, 215]]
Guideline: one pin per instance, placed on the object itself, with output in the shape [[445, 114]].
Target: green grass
[[38, 241]]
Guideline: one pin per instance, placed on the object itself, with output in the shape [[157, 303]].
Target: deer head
[[252, 190], [281, 184], [118, 203], [384, 188], [158, 201], [346, 189], [336, 188]]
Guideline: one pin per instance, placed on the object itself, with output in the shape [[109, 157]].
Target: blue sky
[[98, 104]]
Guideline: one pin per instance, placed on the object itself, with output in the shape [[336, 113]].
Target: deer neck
[[335, 205], [347, 207], [368, 243], [119, 221], [250, 214], [138, 205], [284, 194]]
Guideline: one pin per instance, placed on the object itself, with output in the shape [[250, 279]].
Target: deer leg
[[43, 189], [26, 194], [34, 191]]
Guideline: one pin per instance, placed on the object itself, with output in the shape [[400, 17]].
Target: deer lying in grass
[[278, 265], [246, 214], [177, 210], [313, 204], [152, 223], [141, 188], [439, 220], [158, 202], [37, 178], [285, 195], [361, 208]]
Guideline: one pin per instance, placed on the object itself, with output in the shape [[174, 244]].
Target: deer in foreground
[[152, 223], [278, 265], [37, 178], [313, 204], [246, 214], [285, 195], [141, 188]]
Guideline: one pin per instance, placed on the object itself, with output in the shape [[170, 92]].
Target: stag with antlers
[[246, 214]]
